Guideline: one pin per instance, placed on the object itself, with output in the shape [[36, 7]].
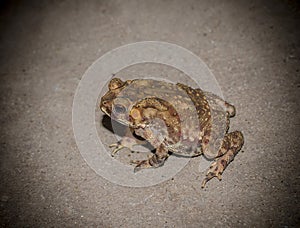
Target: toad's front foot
[[117, 146], [153, 161], [142, 165]]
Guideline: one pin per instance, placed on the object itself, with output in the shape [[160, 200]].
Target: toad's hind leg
[[232, 143], [156, 160], [230, 109]]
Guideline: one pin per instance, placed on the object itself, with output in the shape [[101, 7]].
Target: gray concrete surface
[[251, 46]]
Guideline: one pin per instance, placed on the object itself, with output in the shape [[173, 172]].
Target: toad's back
[[187, 114]]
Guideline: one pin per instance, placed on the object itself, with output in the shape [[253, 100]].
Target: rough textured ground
[[45, 47]]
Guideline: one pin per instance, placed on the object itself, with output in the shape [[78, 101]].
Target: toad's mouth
[[104, 110], [123, 122], [113, 117]]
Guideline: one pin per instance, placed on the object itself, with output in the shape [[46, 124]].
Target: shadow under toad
[[120, 129]]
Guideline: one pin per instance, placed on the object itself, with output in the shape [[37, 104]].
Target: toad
[[173, 118]]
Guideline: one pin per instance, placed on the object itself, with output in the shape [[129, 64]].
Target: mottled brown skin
[[173, 118]]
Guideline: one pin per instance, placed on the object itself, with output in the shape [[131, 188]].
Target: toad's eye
[[120, 109]]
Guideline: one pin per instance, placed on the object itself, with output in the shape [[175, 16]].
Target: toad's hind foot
[[215, 170], [231, 145]]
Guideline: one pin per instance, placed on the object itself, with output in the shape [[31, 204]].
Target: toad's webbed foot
[[232, 143]]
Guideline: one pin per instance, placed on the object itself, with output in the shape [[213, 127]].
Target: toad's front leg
[[231, 145], [156, 160], [128, 141]]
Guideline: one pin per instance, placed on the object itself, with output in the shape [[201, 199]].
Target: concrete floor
[[252, 47]]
